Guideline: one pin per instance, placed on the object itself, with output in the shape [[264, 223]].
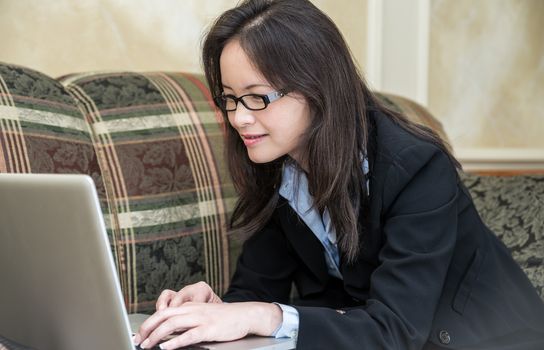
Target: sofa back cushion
[[41, 127], [159, 146]]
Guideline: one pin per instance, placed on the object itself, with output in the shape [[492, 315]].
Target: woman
[[362, 210]]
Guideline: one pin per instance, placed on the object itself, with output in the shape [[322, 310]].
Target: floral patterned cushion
[[513, 208]]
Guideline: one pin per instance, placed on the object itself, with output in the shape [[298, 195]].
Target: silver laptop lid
[[59, 287]]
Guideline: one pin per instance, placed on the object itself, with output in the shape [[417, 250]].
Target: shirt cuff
[[289, 327]]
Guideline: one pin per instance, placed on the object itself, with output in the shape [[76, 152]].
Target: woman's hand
[[199, 292], [200, 322]]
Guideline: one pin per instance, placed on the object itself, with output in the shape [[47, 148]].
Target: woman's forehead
[[237, 69]]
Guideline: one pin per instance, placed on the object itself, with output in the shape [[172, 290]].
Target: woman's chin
[[260, 158]]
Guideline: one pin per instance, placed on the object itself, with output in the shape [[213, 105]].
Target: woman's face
[[269, 133]]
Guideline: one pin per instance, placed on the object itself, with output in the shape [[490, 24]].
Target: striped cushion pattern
[[159, 145], [41, 128]]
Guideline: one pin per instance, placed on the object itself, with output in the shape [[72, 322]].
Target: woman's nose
[[241, 116]]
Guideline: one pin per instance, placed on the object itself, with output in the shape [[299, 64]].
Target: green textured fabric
[[513, 208]]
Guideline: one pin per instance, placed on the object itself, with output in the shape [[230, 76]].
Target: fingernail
[[136, 339], [162, 347], [145, 344]]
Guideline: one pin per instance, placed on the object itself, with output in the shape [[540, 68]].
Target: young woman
[[360, 209]]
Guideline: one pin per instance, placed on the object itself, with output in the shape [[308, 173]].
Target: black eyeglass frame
[[267, 99]]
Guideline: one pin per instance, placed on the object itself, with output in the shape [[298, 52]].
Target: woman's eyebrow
[[251, 86]]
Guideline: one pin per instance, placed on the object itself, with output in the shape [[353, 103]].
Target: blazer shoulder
[[406, 163], [390, 139]]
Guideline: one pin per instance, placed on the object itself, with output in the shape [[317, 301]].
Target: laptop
[[59, 288]]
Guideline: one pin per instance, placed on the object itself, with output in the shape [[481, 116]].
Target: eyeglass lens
[[253, 102]]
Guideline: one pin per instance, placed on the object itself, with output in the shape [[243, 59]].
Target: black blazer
[[429, 274]]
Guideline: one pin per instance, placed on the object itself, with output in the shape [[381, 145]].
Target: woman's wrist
[[266, 318]]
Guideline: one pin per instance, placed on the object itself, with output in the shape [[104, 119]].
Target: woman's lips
[[250, 140]]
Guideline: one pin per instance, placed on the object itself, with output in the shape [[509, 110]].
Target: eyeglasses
[[254, 102]]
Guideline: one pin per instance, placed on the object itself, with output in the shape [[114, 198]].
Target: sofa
[[152, 143]]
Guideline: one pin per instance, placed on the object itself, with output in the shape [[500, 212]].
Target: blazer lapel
[[303, 240]]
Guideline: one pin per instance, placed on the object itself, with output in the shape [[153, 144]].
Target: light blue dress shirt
[[294, 188]]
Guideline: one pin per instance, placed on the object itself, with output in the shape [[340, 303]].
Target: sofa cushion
[[159, 144], [41, 128], [513, 208]]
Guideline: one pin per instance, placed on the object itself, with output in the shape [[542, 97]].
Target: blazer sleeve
[[264, 269], [419, 224]]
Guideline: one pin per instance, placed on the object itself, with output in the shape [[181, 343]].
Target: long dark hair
[[297, 47]]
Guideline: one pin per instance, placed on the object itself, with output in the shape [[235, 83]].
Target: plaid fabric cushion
[[153, 145], [159, 145], [41, 128]]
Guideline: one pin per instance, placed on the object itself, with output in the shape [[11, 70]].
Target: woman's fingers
[[169, 327], [189, 293], [199, 292], [154, 321], [163, 301], [183, 296], [187, 319], [198, 322], [192, 336]]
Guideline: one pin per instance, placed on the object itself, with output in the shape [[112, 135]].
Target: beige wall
[[66, 36], [351, 17], [486, 72]]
